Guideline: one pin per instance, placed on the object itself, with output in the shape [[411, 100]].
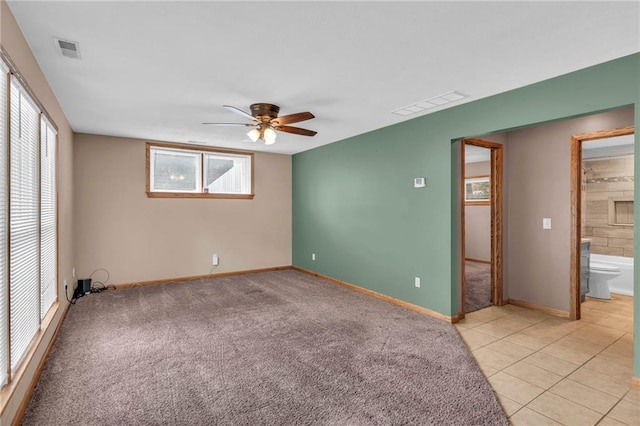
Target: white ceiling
[[157, 70]]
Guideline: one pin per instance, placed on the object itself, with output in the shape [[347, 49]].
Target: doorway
[[577, 210], [484, 190]]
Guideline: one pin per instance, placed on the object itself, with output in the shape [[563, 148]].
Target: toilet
[[599, 276]]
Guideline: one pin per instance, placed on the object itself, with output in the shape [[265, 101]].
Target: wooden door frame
[[576, 209], [497, 203]]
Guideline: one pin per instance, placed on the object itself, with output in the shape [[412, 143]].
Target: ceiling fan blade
[[295, 130], [231, 124], [292, 118], [241, 112]]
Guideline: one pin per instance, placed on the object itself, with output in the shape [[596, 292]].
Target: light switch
[[546, 223]]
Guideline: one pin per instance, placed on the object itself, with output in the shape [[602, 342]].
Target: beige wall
[[477, 219], [606, 178], [17, 48], [538, 174], [140, 239]]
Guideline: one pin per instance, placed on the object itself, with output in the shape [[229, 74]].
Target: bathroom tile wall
[[608, 178]]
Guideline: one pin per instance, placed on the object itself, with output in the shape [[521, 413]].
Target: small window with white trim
[[198, 172]]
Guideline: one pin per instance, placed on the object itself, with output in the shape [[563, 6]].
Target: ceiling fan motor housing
[[264, 117], [264, 112]]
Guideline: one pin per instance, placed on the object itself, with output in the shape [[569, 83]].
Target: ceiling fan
[[264, 118]]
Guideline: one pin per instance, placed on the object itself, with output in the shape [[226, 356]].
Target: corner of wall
[[12, 40]]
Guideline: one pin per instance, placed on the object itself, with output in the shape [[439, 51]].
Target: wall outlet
[[215, 260], [417, 282], [313, 256], [65, 284], [73, 272]]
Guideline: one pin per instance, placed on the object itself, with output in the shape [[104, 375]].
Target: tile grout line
[[589, 386], [582, 405], [543, 415], [563, 377], [555, 340], [616, 404], [568, 400], [584, 384]]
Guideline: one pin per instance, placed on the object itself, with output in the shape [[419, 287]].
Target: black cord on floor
[[96, 286], [100, 286]]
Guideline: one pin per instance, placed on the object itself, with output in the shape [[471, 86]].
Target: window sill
[[199, 195]]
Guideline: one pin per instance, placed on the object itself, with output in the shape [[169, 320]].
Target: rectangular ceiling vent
[[433, 102], [70, 49]]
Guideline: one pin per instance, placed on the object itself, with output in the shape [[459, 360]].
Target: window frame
[[22, 147], [202, 150], [13, 377], [181, 153], [49, 126]]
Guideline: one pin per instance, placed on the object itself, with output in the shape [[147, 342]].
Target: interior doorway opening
[[580, 264], [482, 194]]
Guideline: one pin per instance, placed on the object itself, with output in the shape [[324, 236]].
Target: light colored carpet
[[275, 348], [478, 285]]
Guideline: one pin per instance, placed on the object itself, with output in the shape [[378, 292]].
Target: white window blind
[[24, 223], [4, 288], [48, 220]]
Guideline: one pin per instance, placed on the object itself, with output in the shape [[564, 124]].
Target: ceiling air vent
[[433, 102], [70, 49]]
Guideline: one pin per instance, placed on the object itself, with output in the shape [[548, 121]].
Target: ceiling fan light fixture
[[254, 135], [265, 122], [269, 137]]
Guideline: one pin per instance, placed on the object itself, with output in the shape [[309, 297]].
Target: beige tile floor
[[548, 370]]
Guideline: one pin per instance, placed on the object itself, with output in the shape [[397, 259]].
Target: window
[[175, 171], [227, 174], [48, 218], [198, 172], [24, 223], [4, 313], [28, 221]]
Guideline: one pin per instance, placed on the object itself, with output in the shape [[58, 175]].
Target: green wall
[[355, 207]]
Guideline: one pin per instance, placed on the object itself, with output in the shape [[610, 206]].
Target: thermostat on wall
[[419, 182]]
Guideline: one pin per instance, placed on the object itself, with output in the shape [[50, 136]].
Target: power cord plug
[[66, 294]]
